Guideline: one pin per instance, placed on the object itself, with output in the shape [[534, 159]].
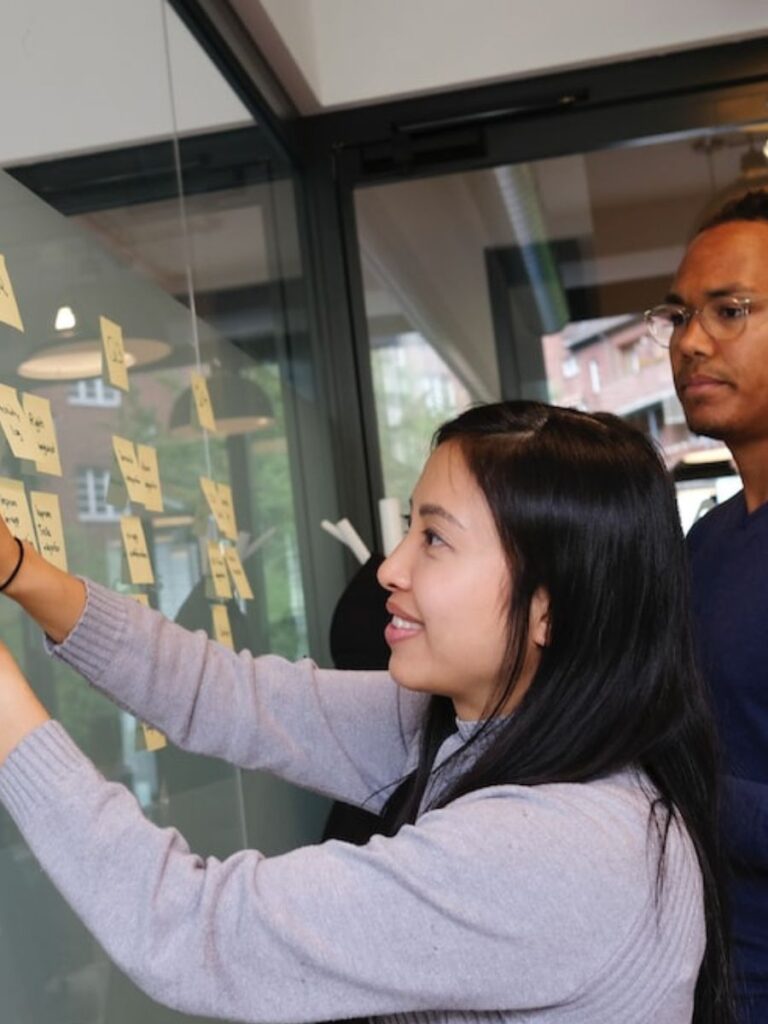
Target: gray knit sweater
[[511, 904]]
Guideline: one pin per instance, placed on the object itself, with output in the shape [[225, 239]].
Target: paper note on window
[[43, 433], [140, 599], [114, 353], [222, 630], [216, 503], [128, 461], [150, 474], [15, 510], [9, 310], [227, 510], [46, 513], [202, 399], [135, 544], [152, 738], [15, 425], [237, 572], [219, 575]]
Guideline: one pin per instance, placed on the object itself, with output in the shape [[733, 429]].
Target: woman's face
[[449, 590]]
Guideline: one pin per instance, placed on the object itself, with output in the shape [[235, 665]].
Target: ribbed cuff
[[91, 645], [32, 771]]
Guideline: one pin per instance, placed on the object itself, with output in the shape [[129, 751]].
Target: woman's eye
[[432, 539]]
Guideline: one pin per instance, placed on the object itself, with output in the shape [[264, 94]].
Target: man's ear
[[539, 618]]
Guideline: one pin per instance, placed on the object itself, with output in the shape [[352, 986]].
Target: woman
[[540, 747]]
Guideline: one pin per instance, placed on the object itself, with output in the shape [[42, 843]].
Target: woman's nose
[[393, 573]]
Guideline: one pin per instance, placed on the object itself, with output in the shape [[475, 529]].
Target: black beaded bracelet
[[12, 577]]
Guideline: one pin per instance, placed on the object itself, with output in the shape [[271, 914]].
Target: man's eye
[[677, 317], [730, 311]]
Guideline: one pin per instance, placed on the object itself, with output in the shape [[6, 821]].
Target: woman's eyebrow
[[429, 509]]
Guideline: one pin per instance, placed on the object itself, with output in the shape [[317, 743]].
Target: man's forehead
[[727, 257]]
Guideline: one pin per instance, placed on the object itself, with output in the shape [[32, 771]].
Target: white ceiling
[[89, 75], [336, 53]]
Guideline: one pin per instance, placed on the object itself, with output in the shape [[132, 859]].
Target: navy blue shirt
[[729, 564]]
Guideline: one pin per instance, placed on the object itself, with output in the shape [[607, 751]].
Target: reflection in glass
[[197, 281], [531, 280]]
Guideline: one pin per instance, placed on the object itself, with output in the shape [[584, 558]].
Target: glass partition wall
[[530, 280], [151, 280]]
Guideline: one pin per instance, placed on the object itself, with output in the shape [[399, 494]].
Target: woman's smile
[[401, 626]]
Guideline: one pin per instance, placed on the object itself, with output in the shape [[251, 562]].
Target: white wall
[[358, 51], [80, 75]]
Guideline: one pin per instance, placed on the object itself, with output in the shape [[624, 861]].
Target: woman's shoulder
[[604, 826]]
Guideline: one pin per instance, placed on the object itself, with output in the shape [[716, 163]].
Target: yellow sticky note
[[146, 457], [15, 425], [43, 433], [140, 599], [114, 353], [211, 492], [222, 630], [46, 513], [127, 460], [9, 309], [227, 510], [202, 399], [15, 510], [153, 738], [219, 575], [237, 572], [135, 544]]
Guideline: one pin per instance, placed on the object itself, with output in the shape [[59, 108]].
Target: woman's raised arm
[[53, 598]]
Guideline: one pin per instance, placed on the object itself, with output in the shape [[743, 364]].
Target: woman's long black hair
[[585, 510]]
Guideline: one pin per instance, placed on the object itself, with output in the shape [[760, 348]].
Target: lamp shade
[[73, 359], [239, 406]]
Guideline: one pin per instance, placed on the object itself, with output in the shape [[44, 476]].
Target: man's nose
[[694, 339]]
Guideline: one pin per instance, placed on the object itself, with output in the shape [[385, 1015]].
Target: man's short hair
[[752, 205]]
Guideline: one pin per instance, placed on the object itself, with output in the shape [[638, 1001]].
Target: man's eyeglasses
[[723, 318]]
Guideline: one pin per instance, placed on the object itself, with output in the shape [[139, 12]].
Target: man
[[716, 324]]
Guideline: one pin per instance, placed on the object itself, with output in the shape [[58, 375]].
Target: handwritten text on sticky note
[[114, 353], [46, 513], [135, 545], [42, 433]]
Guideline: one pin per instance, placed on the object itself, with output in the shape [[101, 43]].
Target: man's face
[[723, 385]]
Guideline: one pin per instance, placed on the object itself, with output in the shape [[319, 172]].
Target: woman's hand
[[20, 710]]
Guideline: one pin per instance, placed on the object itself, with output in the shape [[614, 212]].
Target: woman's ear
[[539, 620]]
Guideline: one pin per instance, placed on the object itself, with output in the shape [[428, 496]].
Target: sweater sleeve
[[516, 900], [344, 734]]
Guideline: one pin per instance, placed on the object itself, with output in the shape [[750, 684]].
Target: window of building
[[570, 367], [92, 503], [594, 375], [93, 392]]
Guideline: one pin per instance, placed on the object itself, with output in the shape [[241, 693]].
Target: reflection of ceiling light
[[765, 149], [720, 454], [65, 319], [239, 406], [78, 360]]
